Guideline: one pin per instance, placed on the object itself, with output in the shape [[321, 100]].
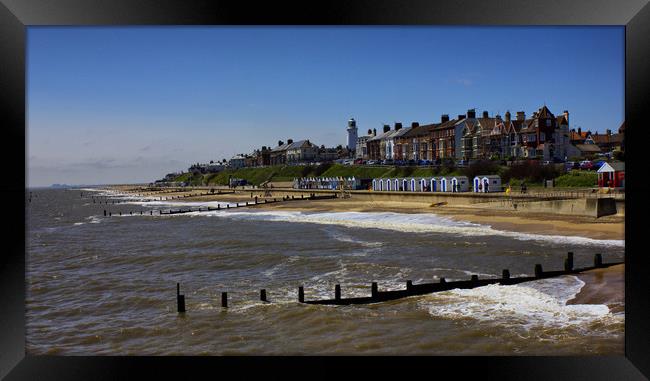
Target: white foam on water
[[539, 305], [417, 223], [78, 223]]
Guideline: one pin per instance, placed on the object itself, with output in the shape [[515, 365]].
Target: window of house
[[548, 123], [542, 136]]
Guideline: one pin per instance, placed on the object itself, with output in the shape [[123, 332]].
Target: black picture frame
[[16, 15]]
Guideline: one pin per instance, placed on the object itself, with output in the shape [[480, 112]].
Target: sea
[[100, 285]]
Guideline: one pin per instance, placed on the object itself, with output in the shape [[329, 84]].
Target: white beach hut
[[444, 182], [459, 184], [387, 185], [434, 184], [396, 183], [413, 185], [423, 185], [487, 183], [405, 185]]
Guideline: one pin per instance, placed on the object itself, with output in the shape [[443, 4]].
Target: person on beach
[[508, 190]]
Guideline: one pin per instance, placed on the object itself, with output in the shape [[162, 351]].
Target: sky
[[131, 104]]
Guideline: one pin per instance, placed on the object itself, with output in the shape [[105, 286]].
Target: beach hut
[[396, 184], [443, 184], [423, 185], [387, 185], [459, 184], [487, 183], [405, 185], [611, 175], [412, 185], [434, 185]]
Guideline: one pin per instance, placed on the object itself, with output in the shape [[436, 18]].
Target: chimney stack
[[485, 114], [369, 132], [461, 116], [398, 126], [444, 118], [289, 141], [415, 125], [386, 128], [471, 113], [579, 130], [374, 132], [566, 115], [280, 142], [521, 116], [609, 132], [508, 116]]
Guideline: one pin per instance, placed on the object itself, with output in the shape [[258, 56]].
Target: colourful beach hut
[[611, 175]]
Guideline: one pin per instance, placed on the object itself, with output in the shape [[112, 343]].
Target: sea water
[[107, 285]]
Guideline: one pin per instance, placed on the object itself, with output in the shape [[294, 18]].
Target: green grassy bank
[[532, 174]]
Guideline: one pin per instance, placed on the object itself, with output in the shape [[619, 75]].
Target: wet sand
[[603, 286]]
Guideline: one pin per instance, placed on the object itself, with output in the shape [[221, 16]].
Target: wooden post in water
[[374, 290], [255, 200], [443, 280], [409, 285], [151, 212], [263, 295], [104, 212], [505, 274], [337, 292], [474, 278], [598, 260], [224, 299], [538, 271], [568, 262], [301, 294], [180, 299]]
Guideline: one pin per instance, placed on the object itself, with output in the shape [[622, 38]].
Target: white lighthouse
[[352, 134]]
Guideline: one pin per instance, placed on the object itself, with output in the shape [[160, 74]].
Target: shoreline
[[605, 228], [603, 286]]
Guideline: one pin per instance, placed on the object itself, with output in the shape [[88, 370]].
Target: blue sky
[[130, 104]]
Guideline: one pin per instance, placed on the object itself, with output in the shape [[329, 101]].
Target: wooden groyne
[[255, 202], [411, 289]]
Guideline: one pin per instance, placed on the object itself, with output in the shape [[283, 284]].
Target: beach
[[608, 227]]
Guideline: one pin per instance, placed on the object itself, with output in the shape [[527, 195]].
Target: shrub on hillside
[[577, 179], [531, 171]]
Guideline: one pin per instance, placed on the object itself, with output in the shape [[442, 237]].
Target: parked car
[[462, 163], [411, 162], [586, 164], [358, 161], [598, 164], [372, 162], [387, 162], [400, 162]]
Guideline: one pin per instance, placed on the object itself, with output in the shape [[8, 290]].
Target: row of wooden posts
[[237, 205], [106, 201], [425, 288]]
